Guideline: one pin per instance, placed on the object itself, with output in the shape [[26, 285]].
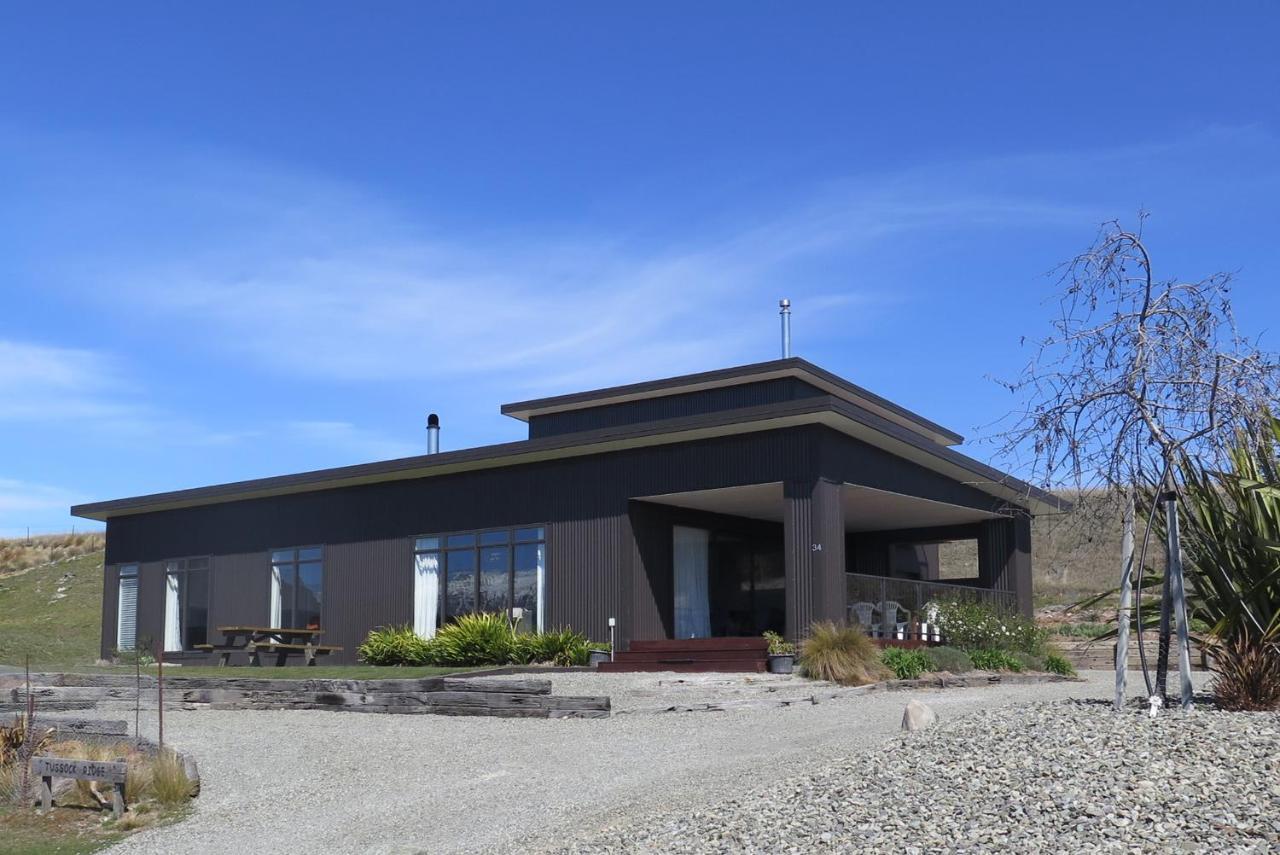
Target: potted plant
[[597, 652], [782, 653]]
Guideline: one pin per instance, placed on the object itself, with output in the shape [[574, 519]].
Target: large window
[[186, 603], [480, 571], [127, 608], [297, 587]]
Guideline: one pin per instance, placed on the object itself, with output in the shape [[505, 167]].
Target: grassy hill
[[51, 599]]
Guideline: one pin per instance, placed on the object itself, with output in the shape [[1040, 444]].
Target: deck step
[[691, 655], [702, 666], [682, 644]]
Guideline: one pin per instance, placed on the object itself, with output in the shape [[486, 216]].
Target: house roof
[[833, 411], [792, 367]]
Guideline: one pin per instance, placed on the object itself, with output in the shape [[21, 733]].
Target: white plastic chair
[[864, 614], [890, 627]]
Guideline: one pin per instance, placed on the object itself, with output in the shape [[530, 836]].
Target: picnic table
[[280, 640]]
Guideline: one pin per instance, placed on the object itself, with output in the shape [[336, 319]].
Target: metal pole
[[1126, 597], [784, 309], [1179, 596], [160, 690]]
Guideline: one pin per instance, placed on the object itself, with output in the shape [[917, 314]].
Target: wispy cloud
[[23, 497], [332, 285], [39, 382]]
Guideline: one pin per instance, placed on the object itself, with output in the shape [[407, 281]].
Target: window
[[186, 603], [127, 609], [297, 587], [485, 571]]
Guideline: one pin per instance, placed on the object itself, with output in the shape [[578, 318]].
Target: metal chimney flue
[[784, 309], [433, 434]]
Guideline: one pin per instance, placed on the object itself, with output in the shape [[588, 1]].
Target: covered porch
[[737, 561]]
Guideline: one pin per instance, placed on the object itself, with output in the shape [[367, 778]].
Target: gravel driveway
[[335, 782]]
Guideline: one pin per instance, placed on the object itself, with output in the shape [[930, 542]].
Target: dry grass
[[841, 654], [1247, 676], [21, 554]]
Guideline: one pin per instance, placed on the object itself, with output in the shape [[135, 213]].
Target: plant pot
[[782, 663], [595, 657]]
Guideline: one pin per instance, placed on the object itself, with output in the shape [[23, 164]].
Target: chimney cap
[[784, 303], [433, 420]]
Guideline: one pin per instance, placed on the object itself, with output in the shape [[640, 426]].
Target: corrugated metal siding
[[607, 556], [367, 532], [672, 406], [855, 462]]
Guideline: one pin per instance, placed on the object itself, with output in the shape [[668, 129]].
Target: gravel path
[[334, 782], [1068, 776]]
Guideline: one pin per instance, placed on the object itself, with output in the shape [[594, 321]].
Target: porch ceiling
[[865, 508]]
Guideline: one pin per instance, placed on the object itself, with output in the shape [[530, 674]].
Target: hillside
[[50, 600]]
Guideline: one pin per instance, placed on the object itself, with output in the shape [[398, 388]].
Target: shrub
[[906, 664], [563, 647], [778, 646], [1056, 663], [976, 626], [1247, 675], [1029, 662], [994, 660], [395, 645], [169, 784], [841, 654], [951, 659], [484, 638]]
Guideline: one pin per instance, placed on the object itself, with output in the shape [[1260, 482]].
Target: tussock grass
[[21, 554], [841, 654]]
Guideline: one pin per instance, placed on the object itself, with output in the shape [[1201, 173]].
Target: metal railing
[[898, 608]]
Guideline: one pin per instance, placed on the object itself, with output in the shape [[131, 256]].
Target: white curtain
[[426, 593], [693, 609], [277, 610], [542, 588], [172, 614]]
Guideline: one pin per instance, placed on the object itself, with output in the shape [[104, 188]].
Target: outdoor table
[[276, 639]]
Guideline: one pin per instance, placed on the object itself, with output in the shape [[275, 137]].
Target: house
[[726, 503]]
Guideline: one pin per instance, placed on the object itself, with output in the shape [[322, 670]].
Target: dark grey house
[[726, 503]]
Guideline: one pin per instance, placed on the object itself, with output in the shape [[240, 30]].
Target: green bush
[[994, 660], [778, 646], [906, 664], [1029, 662], [951, 659], [976, 626], [477, 639], [1056, 663], [395, 645], [841, 654]]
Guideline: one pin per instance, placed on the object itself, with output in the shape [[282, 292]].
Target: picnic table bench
[[282, 641]]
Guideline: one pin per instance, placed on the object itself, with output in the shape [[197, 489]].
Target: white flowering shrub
[[976, 626]]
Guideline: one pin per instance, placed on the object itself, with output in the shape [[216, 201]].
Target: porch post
[[813, 535], [1004, 557]]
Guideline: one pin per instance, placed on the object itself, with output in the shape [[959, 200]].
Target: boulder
[[918, 716]]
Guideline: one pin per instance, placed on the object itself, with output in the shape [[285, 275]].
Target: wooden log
[[464, 684]]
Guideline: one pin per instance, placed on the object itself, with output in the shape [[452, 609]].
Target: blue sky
[[255, 238]]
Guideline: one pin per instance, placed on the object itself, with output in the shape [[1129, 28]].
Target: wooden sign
[[49, 768]]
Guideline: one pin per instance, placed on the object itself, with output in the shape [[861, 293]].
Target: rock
[[918, 716]]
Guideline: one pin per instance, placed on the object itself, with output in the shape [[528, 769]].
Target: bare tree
[[1136, 371]]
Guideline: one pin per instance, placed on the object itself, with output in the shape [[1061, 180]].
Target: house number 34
[[815, 547]]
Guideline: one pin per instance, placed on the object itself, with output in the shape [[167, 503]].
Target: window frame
[[476, 545], [170, 568], [295, 562]]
